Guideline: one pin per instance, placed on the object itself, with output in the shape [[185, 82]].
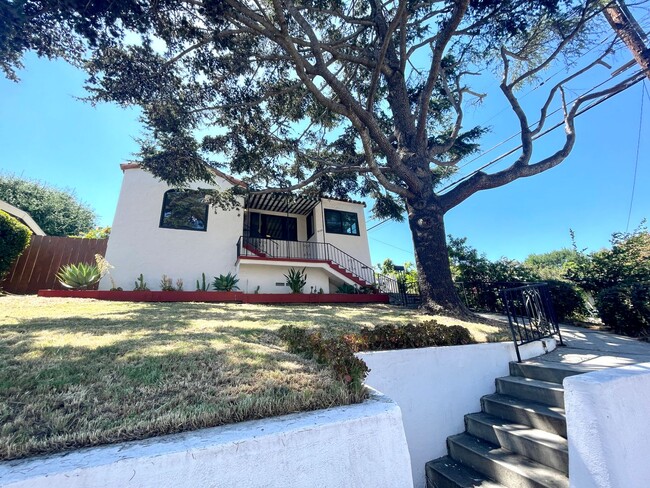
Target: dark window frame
[[341, 230], [310, 224], [166, 203], [289, 226]]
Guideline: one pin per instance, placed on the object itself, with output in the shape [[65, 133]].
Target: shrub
[[568, 302], [296, 280], [166, 283], [347, 288], [226, 283], [338, 352], [14, 239], [79, 276], [626, 308]]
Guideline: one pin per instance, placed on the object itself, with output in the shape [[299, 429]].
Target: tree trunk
[[621, 20], [426, 221]]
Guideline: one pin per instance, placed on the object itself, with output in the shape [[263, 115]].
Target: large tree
[[326, 96]]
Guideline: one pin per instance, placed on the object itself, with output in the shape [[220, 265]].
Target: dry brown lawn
[[77, 372]]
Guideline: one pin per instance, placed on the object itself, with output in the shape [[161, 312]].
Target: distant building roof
[[22, 216]]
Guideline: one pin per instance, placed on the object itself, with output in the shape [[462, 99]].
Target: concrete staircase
[[518, 440]]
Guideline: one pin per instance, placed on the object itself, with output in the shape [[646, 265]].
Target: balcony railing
[[260, 247]]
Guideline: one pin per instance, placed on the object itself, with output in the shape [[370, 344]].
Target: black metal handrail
[[530, 314], [314, 251]]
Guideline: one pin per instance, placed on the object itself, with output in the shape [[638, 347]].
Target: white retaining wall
[[435, 387], [354, 446], [608, 424]]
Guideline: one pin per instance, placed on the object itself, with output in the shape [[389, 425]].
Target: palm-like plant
[[79, 276], [296, 280], [226, 283]]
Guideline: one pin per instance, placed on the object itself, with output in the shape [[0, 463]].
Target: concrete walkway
[[595, 349]]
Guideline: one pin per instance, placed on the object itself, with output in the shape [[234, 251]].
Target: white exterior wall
[[252, 275], [355, 246], [138, 245], [355, 446], [436, 386], [608, 427]]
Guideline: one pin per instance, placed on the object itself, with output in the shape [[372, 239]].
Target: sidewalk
[[595, 349]]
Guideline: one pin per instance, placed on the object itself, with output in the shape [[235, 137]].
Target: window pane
[[338, 222], [184, 210], [333, 221]]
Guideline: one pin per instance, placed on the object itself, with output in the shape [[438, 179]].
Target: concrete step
[[503, 466], [548, 449], [444, 472], [534, 390], [547, 371], [525, 412]]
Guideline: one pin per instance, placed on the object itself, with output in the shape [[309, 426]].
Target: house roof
[[227, 177], [22, 216], [274, 202]]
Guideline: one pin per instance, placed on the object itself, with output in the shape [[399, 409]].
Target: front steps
[[518, 440]]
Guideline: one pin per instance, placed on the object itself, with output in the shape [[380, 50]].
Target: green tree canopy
[[57, 212], [327, 96]]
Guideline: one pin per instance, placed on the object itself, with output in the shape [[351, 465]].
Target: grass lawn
[[77, 372]]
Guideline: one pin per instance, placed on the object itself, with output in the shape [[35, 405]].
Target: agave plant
[[296, 280], [226, 283], [79, 276]]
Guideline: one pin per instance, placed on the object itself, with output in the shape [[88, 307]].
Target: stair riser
[[546, 396], [490, 468], [536, 372], [554, 458], [525, 417], [436, 479], [445, 473]]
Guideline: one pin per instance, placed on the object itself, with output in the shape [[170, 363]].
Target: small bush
[[567, 301], [14, 239], [347, 288], [338, 352], [626, 308]]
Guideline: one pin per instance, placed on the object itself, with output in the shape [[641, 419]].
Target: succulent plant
[[79, 276], [226, 283]]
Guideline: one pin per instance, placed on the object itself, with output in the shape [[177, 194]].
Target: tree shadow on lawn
[[59, 393]]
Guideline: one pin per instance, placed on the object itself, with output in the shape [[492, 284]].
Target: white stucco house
[[161, 230]]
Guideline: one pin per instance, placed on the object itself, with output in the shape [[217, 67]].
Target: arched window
[[184, 209]]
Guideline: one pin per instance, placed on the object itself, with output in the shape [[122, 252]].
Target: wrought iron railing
[[315, 251], [530, 314]]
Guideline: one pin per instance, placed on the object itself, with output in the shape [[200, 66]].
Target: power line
[[394, 247], [636, 161], [560, 124]]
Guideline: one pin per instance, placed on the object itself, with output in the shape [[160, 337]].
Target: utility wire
[[559, 124], [636, 161]]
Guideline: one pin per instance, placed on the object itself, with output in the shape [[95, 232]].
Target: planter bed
[[215, 296]]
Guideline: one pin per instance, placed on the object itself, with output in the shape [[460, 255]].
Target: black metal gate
[[530, 314]]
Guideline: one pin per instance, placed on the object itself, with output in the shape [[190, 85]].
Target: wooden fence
[[36, 268]]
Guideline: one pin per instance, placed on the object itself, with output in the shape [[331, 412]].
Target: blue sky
[[46, 134]]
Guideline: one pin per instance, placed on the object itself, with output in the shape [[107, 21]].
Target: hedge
[[14, 239]]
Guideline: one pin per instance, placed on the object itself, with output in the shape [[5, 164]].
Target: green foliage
[[140, 284], [552, 265], [407, 280], [79, 276], [619, 279], [626, 308], [296, 280], [347, 288], [57, 212], [203, 285], [568, 301], [628, 261], [14, 239], [338, 352], [225, 283], [166, 283], [96, 233]]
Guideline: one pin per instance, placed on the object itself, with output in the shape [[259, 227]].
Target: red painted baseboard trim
[[215, 296]]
